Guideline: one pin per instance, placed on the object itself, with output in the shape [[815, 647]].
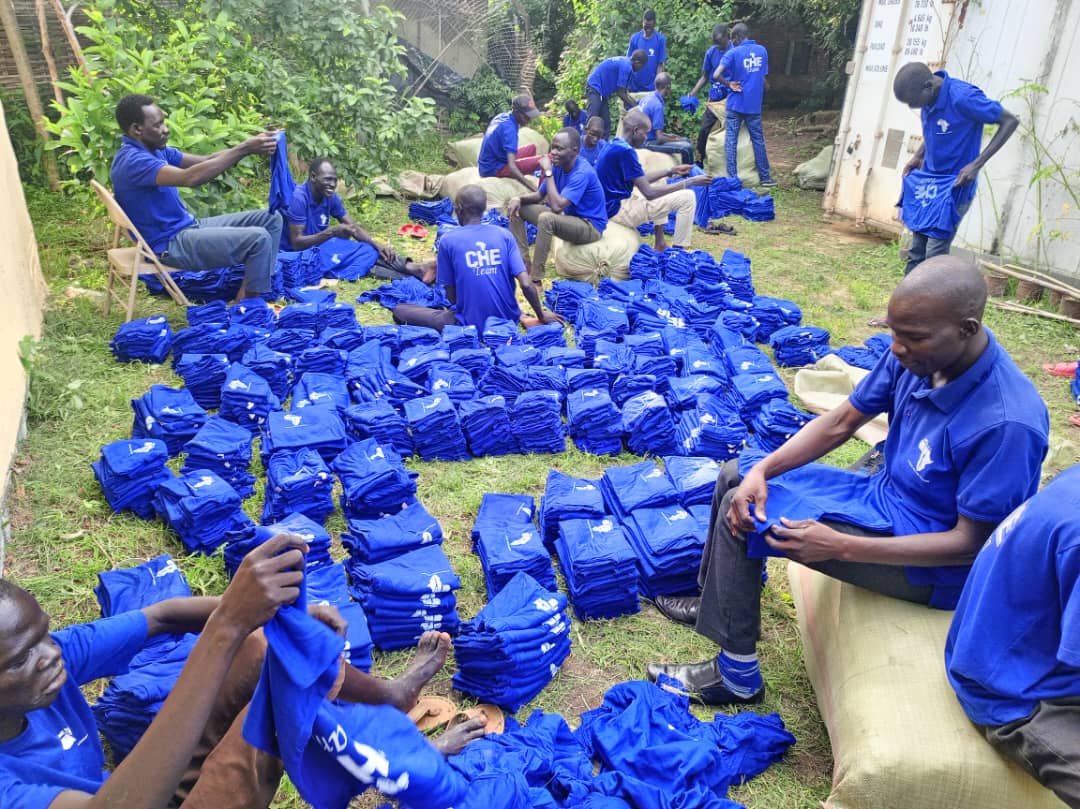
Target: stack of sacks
[[693, 477], [536, 420], [866, 355], [170, 415], [669, 542], [321, 390], [547, 335], [711, 429], [748, 393], [246, 398], [435, 429], [735, 270], [772, 314], [130, 470], [374, 481], [456, 337], [370, 541], [298, 480], [145, 340], [252, 312], [215, 313], [565, 297], [799, 345], [203, 375], [568, 498], [453, 380], [201, 508], [317, 427], [225, 449], [406, 596], [507, 542], [595, 558], [513, 648], [486, 426], [775, 423], [318, 541], [500, 332], [594, 422], [329, 584], [648, 425], [380, 421]]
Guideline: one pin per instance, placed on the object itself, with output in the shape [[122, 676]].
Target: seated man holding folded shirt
[[967, 437], [500, 155]]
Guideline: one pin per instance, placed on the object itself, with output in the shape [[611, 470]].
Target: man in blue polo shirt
[[967, 437], [569, 204], [718, 91], [592, 142], [743, 70], [609, 78], [1013, 651], [651, 41], [658, 140], [145, 174], [499, 152]]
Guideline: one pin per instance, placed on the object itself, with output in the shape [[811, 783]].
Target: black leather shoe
[[703, 683], [680, 609]]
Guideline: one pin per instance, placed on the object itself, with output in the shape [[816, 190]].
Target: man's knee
[[546, 222]]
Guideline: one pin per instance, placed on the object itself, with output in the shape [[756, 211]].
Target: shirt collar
[[939, 102], [127, 140], [951, 394]]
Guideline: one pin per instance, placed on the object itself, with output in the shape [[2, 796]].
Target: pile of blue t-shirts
[[678, 266], [298, 480], [735, 270], [513, 648], [775, 423], [252, 312], [710, 428], [407, 290], [320, 359], [344, 258], [303, 316], [373, 540], [317, 389], [668, 541], [148, 339], [748, 359], [626, 386], [319, 428], [290, 341], [758, 208], [693, 477], [546, 335], [648, 424], [536, 421], [240, 544], [224, 448], [568, 498], [215, 313], [201, 285], [517, 353], [507, 542], [380, 421], [698, 359], [613, 357], [432, 213], [564, 297], [684, 391], [799, 345], [344, 339], [299, 268], [246, 398], [130, 471], [416, 336], [499, 331], [640, 485], [168, 414], [456, 337], [203, 375], [201, 508], [406, 596], [435, 429], [374, 480], [599, 566], [866, 355], [486, 426], [748, 393], [416, 362], [740, 321], [593, 421], [723, 197], [1074, 386], [773, 313], [206, 338], [329, 584]]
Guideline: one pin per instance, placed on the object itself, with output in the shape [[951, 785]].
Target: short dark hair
[[472, 200], [910, 80], [317, 164], [129, 110], [572, 133], [720, 28], [740, 31], [649, 15]]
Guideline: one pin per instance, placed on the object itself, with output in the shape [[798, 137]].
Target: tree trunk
[[46, 51], [69, 31]]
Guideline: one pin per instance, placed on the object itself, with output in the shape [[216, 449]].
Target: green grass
[[64, 533]]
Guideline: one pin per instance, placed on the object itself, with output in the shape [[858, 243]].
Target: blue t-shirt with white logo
[[610, 75], [60, 749], [593, 154], [929, 204], [481, 262], [314, 216], [617, 169], [156, 210], [718, 91], [578, 123], [582, 188], [747, 63], [653, 106], [501, 137], [1015, 638], [656, 49]]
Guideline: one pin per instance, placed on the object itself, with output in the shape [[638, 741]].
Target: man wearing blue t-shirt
[[743, 70], [718, 91], [569, 204], [499, 152], [609, 78], [145, 174], [592, 142], [479, 265], [575, 116], [657, 139], [651, 41], [967, 437], [1013, 651]]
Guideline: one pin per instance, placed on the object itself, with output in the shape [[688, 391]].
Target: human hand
[[545, 162], [912, 165], [265, 144], [805, 541], [329, 615], [387, 252], [701, 179], [753, 489], [551, 317], [269, 577], [341, 231], [680, 170], [735, 86], [513, 207], [967, 174]]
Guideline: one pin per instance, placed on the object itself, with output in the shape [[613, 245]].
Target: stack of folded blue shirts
[[698, 316], [203, 375], [201, 285], [612, 357], [646, 344], [626, 386], [711, 294], [546, 335], [317, 389], [694, 478], [645, 264], [456, 337], [568, 498], [299, 269], [406, 290], [799, 345], [543, 377], [504, 380], [380, 421], [416, 361], [130, 471], [207, 338], [252, 312], [564, 297], [748, 359], [775, 423], [723, 339], [168, 414], [602, 317], [706, 268], [723, 197], [486, 426], [300, 316], [651, 314], [621, 291], [648, 425], [320, 359], [386, 335], [201, 508], [246, 398], [640, 485], [373, 540], [759, 209], [406, 596], [500, 332], [290, 341], [374, 481], [215, 313], [735, 269], [711, 429], [475, 360], [309, 294], [329, 584], [662, 368], [225, 449], [519, 354], [148, 339], [585, 378], [699, 359], [866, 355], [742, 322], [772, 313], [317, 427], [334, 315], [342, 339], [683, 391], [564, 357], [298, 480], [506, 540], [593, 421], [748, 393], [316, 537], [536, 419], [417, 336], [678, 266], [513, 648], [435, 428], [431, 213], [453, 380], [668, 541], [596, 559]]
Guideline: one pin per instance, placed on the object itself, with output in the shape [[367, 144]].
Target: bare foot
[[428, 273], [455, 739], [660, 245], [430, 657]]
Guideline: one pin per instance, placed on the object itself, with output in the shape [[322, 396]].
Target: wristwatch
[[548, 172]]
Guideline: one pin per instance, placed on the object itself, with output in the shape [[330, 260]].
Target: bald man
[[658, 139], [967, 437]]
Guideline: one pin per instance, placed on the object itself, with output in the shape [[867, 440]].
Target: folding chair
[[129, 262]]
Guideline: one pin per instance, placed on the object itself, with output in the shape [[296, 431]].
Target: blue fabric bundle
[[748, 359], [501, 380], [148, 339], [329, 584], [417, 336], [740, 321], [648, 425], [386, 335], [319, 428], [457, 337], [130, 471], [374, 481], [585, 378], [299, 268], [626, 386], [370, 541], [723, 339], [498, 331], [225, 449], [564, 357], [735, 269], [866, 355], [593, 421], [612, 357], [568, 498], [216, 313], [312, 532], [246, 398], [621, 291], [507, 543], [565, 297], [475, 360], [640, 485], [758, 209], [799, 345], [546, 335], [252, 312], [543, 377], [343, 339], [298, 480], [380, 421], [711, 428], [668, 541], [168, 414], [417, 361], [519, 354], [595, 558], [372, 377], [723, 197], [602, 317], [536, 420], [205, 338], [748, 393], [775, 423], [678, 266], [407, 290], [707, 272], [273, 366], [433, 213], [693, 477], [321, 390], [345, 259], [513, 648], [486, 425], [309, 294], [200, 286], [406, 596], [203, 375], [290, 341], [662, 368], [700, 360], [683, 391], [320, 359], [652, 314], [435, 428], [201, 508], [645, 264], [689, 104], [771, 314]]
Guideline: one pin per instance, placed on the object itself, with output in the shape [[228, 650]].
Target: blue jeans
[[924, 247], [250, 238], [757, 138], [681, 149]]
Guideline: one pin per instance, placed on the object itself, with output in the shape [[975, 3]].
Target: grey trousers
[[250, 238], [410, 314], [572, 229], [924, 247]]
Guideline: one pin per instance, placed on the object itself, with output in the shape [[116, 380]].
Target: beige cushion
[[899, 737]]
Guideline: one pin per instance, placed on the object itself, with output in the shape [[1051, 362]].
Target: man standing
[[718, 91], [569, 203], [651, 41], [967, 437], [592, 142], [145, 174], [658, 140], [499, 152], [742, 70], [620, 172], [609, 78]]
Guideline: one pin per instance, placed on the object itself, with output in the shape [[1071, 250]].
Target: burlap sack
[[417, 185], [716, 162], [654, 161], [499, 189], [464, 153], [527, 135], [607, 258], [814, 173], [828, 383], [617, 105]]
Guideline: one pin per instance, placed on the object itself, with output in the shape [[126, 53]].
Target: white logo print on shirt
[[923, 461], [943, 126], [68, 740]]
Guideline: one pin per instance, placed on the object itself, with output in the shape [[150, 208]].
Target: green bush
[[477, 101]]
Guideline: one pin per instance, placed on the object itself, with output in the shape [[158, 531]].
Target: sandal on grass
[[718, 228], [494, 719], [1060, 368], [431, 713]]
